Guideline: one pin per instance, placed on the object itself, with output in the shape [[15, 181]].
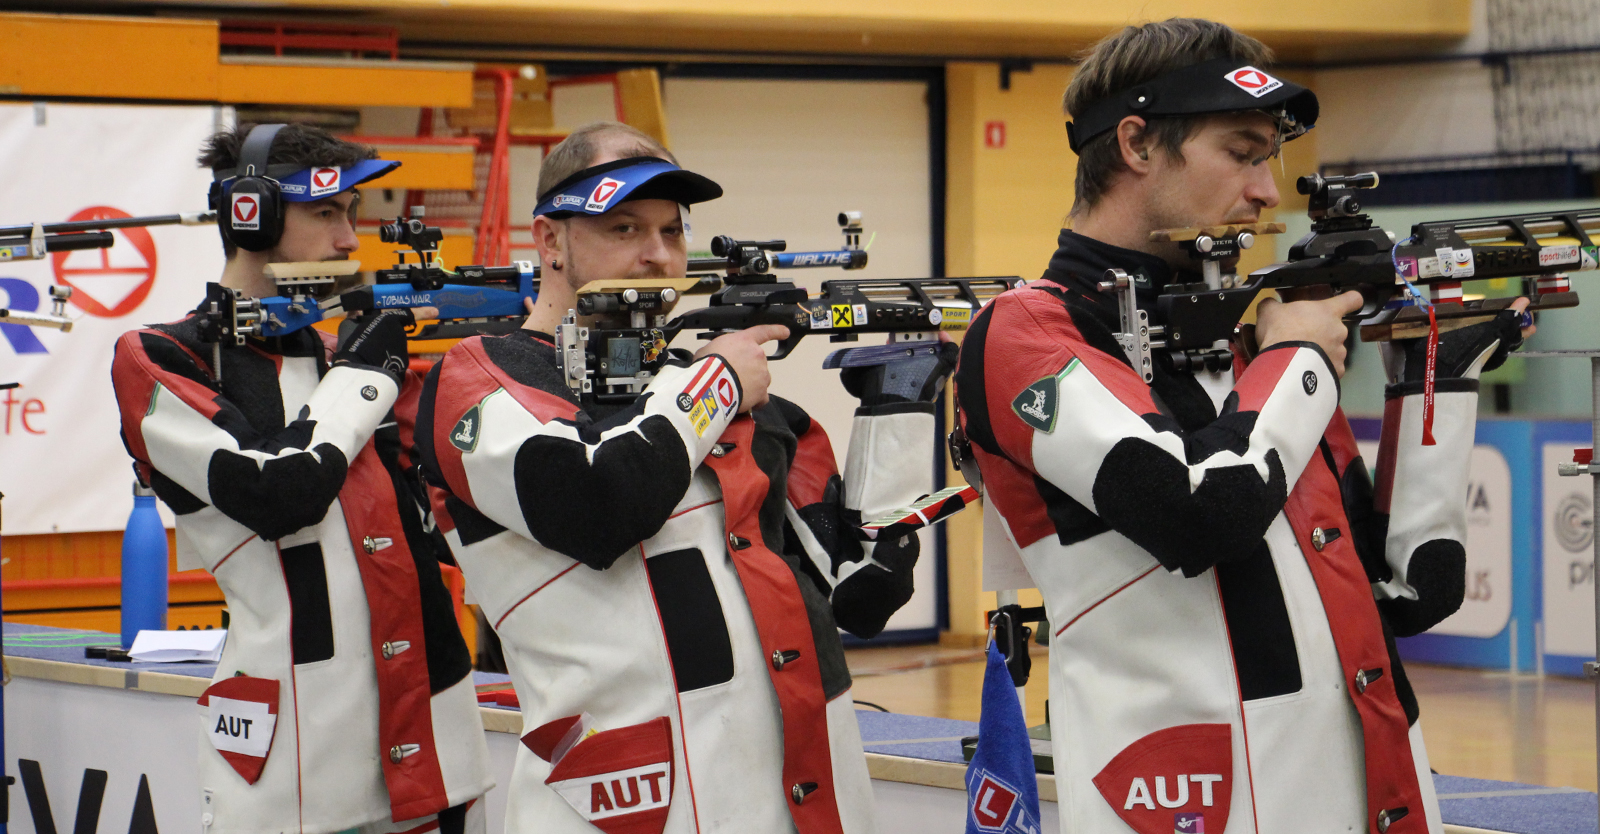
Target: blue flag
[[1002, 788]]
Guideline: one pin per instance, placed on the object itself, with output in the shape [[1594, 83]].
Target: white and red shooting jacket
[[1220, 584], [289, 482], [676, 572]]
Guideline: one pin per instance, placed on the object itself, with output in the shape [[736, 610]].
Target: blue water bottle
[[144, 567]]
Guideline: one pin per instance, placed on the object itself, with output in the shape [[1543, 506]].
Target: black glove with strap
[[376, 341]]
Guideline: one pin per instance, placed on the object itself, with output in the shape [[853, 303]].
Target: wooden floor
[[1486, 725]]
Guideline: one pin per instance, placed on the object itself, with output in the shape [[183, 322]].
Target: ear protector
[[249, 205]]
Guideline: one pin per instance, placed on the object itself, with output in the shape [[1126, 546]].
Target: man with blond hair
[[668, 573]]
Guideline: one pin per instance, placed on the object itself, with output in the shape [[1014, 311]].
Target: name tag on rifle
[[927, 511]]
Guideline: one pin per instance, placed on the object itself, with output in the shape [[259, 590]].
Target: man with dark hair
[[344, 697], [666, 573], [1208, 543]]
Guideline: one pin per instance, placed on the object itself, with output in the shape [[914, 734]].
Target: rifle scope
[[1313, 183]]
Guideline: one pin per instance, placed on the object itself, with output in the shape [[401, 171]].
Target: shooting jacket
[[290, 484], [1219, 579], [675, 572]]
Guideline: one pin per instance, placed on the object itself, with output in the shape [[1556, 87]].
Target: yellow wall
[[1004, 209], [1032, 28]]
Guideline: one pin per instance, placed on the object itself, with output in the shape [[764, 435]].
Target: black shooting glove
[[917, 379], [376, 341], [1463, 353]]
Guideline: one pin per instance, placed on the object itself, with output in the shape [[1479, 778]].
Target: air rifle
[[615, 340], [32, 241], [1345, 251]]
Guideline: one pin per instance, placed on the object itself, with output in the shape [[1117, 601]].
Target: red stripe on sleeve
[[1261, 378]]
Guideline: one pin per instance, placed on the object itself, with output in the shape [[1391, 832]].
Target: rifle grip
[[787, 345]]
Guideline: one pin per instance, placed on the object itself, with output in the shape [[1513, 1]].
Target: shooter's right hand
[[376, 341], [743, 352], [1318, 322]]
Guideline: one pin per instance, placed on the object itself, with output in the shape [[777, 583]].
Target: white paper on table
[[153, 646]]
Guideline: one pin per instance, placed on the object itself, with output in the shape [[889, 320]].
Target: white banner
[[1568, 555], [63, 467]]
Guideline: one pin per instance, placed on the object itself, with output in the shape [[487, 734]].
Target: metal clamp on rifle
[[625, 341], [56, 318]]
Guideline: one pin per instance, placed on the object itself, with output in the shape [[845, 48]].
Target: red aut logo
[[324, 177], [109, 283], [992, 804], [604, 190], [725, 392], [1180, 771], [245, 208]]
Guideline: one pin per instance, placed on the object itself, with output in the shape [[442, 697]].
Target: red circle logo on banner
[[109, 283]]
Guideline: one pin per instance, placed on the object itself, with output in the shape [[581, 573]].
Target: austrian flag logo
[[603, 193], [324, 181], [246, 211], [1253, 81]]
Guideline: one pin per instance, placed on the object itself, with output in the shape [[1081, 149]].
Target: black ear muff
[[249, 205]]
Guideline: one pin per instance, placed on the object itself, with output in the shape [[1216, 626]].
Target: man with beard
[[666, 574], [343, 699], [1222, 583]]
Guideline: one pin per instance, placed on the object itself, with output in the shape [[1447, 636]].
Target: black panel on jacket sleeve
[[422, 431], [310, 616], [279, 496], [471, 525], [1143, 493], [173, 494], [1438, 572], [1073, 521], [865, 600], [596, 511], [691, 619], [1264, 653]]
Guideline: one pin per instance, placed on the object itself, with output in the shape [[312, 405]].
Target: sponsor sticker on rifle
[[842, 316], [1429, 268], [860, 311], [821, 319], [1406, 268], [955, 318], [1557, 255], [1463, 266], [1589, 259]]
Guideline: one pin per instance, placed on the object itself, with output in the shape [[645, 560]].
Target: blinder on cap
[[600, 188], [1221, 85]]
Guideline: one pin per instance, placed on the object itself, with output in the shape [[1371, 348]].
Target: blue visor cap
[[601, 188], [314, 183]]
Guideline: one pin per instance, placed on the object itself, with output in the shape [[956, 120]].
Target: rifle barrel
[[194, 218]]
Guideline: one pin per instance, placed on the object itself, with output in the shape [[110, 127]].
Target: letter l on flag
[[1002, 786]]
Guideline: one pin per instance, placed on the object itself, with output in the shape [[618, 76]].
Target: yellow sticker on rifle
[[955, 318], [842, 316]]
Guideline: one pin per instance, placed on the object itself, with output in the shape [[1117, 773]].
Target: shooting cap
[[598, 189], [302, 185], [1221, 85]]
